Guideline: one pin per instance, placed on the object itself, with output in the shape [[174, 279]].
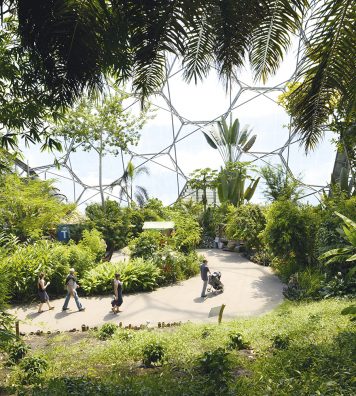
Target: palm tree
[[140, 194]]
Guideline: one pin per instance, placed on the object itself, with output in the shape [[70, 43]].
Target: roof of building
[[158, 225]]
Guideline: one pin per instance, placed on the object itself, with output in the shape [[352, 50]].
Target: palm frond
[[327, 71], [157, 27], [233, 23], [272, 37], [141, 195], [198, 57], [142, 170], [65, 39]]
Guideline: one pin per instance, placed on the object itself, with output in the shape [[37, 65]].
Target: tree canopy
[[72, 46]]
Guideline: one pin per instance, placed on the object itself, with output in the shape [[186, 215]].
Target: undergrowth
[[298, 349]]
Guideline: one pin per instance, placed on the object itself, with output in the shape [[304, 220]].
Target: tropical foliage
[[127, 185], [54, 259], [70, 49], [231, 184], [146, 244], [136, 275], [204, 180], [24, 101], [187, 232], [290, 233], [29, 207], [230, 141], [246, 223], [326, 71], [112, 221], [347, 253], [279, 184]]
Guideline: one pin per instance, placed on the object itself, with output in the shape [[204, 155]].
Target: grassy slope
[[318, 360]]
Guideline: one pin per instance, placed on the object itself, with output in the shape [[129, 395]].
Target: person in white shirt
[[72, 286]]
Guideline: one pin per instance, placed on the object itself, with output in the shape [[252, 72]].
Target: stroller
[[215, 283]]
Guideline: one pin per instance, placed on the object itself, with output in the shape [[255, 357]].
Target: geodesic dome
[[172, 144]]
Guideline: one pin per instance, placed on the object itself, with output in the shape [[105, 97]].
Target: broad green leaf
[[210, 141], [347, 221]]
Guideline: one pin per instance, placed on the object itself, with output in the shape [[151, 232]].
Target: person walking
[[72, 286], [42, 286], [204, 270], [117, 302]]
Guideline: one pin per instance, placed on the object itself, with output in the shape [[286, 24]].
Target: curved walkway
[[250, 290]]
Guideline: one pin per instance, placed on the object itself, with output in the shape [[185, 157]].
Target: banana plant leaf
[[234, 132], [352, 258], [251, 189], [210, 141], [244, 136], [335, 252], [348, 221], [250, 143]]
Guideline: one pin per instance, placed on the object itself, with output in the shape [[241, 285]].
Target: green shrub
[[338, 285], [24, 265], [246, 223], [153, 353], [139, 275], [280, 341], [290, 234], [136, 275], [33, 367], [107, 330], [17, 351], [146, 244], [328, 236], [99, 279], [176, 266], [29, 207], [79, 258], [304, 284], [187, 233], [190, 264], [169, 261], [54, 259], [236, 341], [112, 221], [93, 240], [215, 366]]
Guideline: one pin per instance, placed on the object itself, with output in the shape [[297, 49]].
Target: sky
[[193, 106]]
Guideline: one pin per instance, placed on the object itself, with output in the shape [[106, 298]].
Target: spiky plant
[[230, 140]]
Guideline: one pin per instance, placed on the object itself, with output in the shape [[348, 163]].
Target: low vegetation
[[299, 349]]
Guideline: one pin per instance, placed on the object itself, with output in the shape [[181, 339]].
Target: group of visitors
[[72, 285]]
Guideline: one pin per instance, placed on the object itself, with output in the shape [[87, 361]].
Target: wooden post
[[221, 313], [17, 327]]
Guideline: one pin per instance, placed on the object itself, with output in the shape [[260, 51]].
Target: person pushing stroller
[[213, 279]]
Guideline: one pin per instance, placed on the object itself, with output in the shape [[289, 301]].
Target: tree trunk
[[101, 171]]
